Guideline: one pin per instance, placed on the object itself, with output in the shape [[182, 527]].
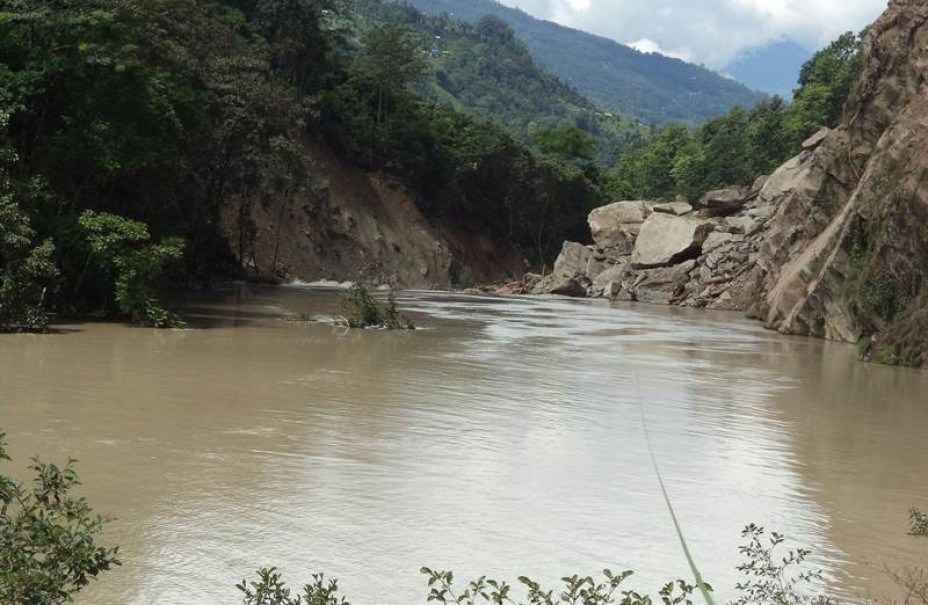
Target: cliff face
[[845, 252], [353, 224]]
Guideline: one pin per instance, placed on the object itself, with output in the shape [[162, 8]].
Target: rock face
[[361, 224], [846, 253], [666, 240], [833, 244]]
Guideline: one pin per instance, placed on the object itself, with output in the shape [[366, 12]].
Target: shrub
[[775, 574], [48, 547], [919, 522], [360, 309], [576, 589]]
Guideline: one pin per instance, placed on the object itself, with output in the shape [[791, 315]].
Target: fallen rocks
[[617, 225], [662, 285], [723, 202], [667, 240], [677, 208], [664, 253]]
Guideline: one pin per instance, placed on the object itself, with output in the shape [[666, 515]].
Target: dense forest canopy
[[128, 126]]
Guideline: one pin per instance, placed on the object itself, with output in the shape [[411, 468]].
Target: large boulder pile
[[664, 253]]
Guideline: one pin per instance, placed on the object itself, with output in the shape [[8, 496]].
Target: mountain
[[650, 87], [484, 70], [773, 68]]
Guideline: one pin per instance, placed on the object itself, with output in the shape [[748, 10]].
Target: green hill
[[651, 87], [483, 69]]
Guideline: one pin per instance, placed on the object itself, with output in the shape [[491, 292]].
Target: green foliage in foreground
[[360, 309], [775, 575], [48, 537], [919, 522]]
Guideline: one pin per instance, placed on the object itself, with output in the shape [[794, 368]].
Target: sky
[[710, 32]]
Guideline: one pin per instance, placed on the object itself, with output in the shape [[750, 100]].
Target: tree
[[123, 249], [27, 268], [391, 58], [825, 83], [303, 39], [48, 537], [568, 143]]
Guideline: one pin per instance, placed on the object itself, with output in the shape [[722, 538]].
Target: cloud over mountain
[[712, 32]]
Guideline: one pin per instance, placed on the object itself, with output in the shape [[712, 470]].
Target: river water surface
[[504, 438]]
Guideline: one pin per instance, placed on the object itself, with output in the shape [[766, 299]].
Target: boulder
[[573, 271], [576, 287], [715, 240], [609, 281], [662, 285], [617, 225], [744, 224], [675, 208], [724, 201], [667, 240], [816, 139]]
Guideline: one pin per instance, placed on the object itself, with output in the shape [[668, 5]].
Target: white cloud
[[712, 32], [646, 45]]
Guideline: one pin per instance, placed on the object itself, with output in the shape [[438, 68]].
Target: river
[[505, 437]]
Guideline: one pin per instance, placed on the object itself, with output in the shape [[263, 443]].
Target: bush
[[48, 548], [775, 574], [360, 309], [919, 522]]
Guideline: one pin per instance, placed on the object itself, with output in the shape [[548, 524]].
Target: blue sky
[[712, 32]]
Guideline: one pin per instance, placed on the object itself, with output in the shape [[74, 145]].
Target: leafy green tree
[[123, 249], [49, 547], [392, 57], [647, 173], [304, 38], [568, 143], [825, 83]]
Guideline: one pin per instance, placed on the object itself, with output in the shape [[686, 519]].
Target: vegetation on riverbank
[[919, 522], [360, 309]]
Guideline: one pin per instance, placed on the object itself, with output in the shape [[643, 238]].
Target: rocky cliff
[[834, 244], [352, 224]]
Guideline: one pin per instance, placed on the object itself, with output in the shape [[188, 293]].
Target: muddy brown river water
[[503, 438]]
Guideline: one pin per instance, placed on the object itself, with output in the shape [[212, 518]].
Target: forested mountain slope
[[483, 69], [650, 87]]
